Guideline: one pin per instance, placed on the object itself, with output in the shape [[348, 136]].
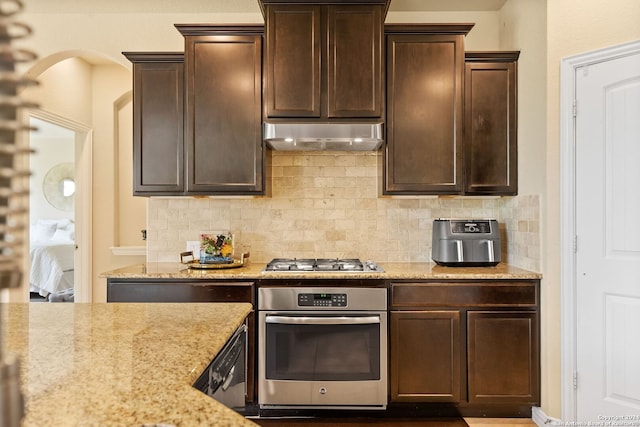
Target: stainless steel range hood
[[323, 136]]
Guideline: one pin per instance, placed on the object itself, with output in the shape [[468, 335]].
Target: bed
[[51, 250]]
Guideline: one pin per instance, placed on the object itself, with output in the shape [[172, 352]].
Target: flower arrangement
[[216, 248]]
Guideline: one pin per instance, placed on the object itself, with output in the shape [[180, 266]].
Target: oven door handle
[[335, 320]]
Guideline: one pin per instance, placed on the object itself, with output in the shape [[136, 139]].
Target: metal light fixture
[[323, 136]]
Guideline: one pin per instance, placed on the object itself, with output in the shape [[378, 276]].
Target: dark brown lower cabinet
[[433, 338], [173, 290], [472, 345], [503, 356]]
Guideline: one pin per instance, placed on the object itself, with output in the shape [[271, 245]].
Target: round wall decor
[[59, 186]]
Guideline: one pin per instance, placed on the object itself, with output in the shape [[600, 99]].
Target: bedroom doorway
[[60, 206], [51, 211]]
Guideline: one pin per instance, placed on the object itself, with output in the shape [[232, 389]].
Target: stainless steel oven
[[322, 347]]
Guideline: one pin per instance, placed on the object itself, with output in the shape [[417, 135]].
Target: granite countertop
[[119, 364], [251, 271]]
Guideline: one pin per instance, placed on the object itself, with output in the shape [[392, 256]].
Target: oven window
[[302, 352]]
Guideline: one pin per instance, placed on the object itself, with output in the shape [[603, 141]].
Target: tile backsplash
[[327, 204]]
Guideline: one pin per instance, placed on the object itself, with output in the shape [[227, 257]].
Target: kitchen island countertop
[[119, 364], [392, 271]]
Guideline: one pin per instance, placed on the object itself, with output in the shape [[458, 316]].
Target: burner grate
[[321, 264], [339, 265]]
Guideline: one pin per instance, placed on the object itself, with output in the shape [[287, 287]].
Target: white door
[[608, 241]]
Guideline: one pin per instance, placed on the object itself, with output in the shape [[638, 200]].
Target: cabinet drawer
[[197, 291], [471, 294]]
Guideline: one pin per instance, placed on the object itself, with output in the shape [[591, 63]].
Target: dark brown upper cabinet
[[223, 109], [158, 144], [490, 123], [425, 76], [324, 61]]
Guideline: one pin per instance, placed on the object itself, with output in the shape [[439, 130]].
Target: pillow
[[48, 221], [44, 230], [64, 222], [69, 227], [62, 235]]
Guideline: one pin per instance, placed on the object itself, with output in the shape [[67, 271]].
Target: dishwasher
[[225, 379]]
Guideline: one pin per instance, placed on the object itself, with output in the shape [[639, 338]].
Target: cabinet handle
[[459, 251], [490, 250], [340, 320]]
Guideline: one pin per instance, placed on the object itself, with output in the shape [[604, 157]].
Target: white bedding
[[51, 266]]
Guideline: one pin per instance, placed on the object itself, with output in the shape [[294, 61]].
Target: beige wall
[[65, 89], [130, 212], [483, 36], [109, 83], [523, 27], [109, 34]]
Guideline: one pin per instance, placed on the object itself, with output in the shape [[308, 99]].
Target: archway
[[70, 83]]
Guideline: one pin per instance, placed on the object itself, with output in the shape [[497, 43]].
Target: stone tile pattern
[[520, 217], [327, 204]]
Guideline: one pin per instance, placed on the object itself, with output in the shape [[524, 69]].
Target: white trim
[[83, 289], [569, 67], [129, 250], [540, 418], [59, 120], [84, 208]]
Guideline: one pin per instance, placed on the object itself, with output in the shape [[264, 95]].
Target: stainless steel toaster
[[466, 242]]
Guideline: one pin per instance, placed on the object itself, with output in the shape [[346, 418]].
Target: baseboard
[[542, 420]]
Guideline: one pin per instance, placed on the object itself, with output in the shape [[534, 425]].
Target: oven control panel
[[322, 300]]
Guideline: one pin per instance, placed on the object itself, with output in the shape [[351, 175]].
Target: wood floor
[[378, 422], [500, 422], [360, 422]]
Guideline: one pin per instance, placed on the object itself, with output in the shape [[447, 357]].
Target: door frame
[[568, 279], [83, 202]]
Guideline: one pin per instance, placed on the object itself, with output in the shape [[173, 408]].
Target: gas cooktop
[[322, 265]]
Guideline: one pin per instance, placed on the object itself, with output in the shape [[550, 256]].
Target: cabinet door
[[158, 144], [503, 357], [223, 131], [293, 61], [425, 356], [490, 156], [354, 63], [424, 114]]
